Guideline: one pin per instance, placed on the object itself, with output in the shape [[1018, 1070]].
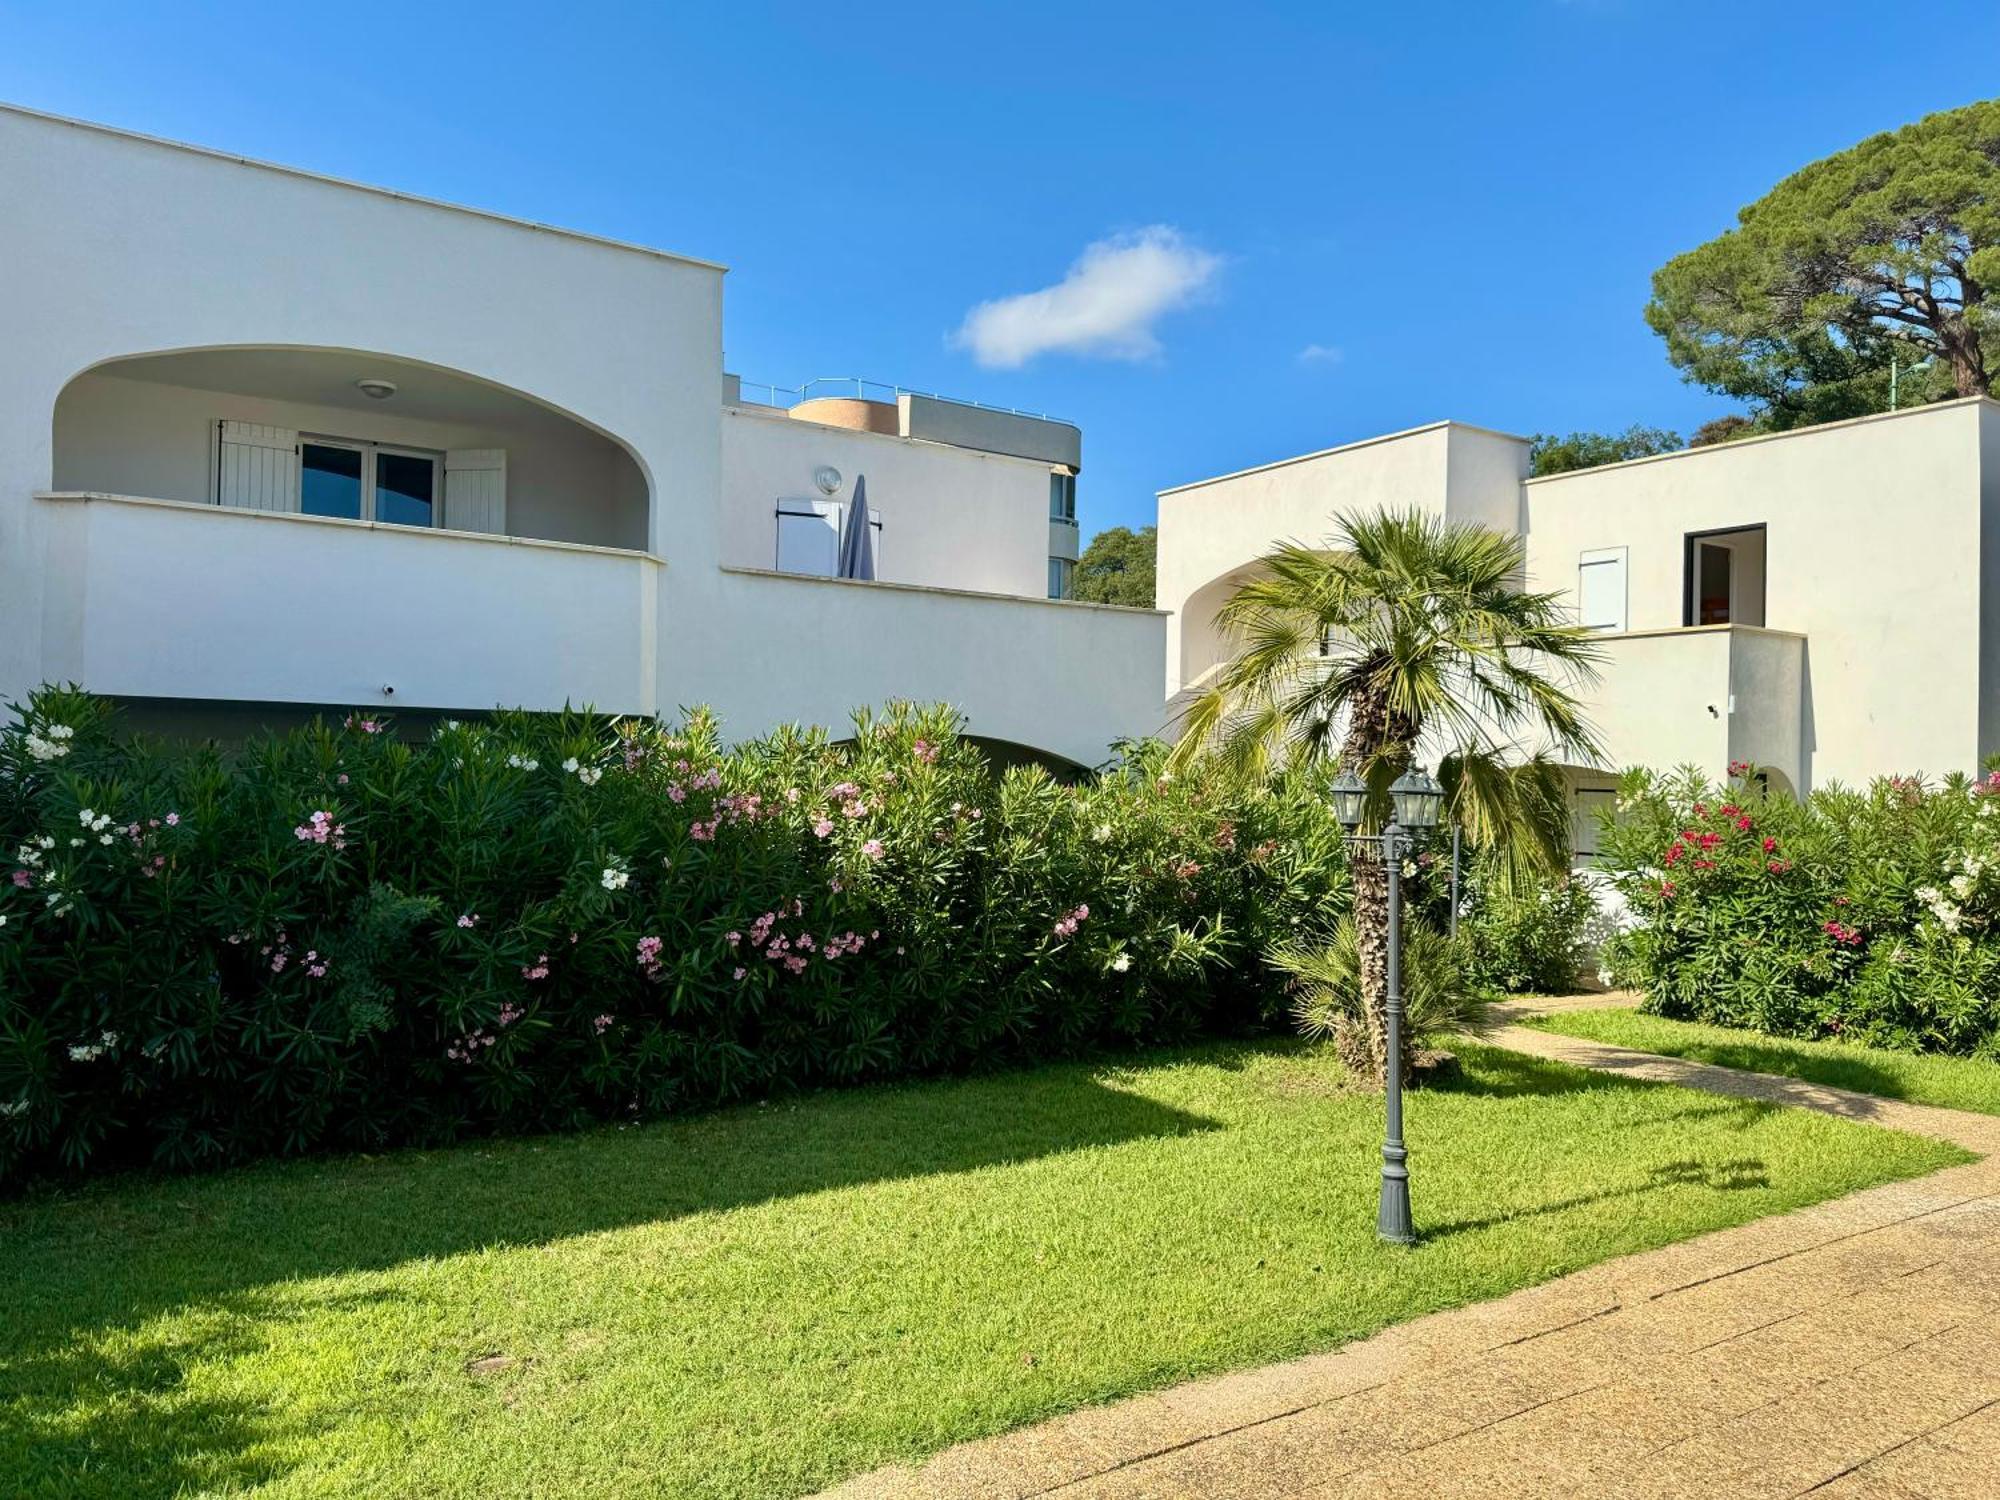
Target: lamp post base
[[1392, 1219]]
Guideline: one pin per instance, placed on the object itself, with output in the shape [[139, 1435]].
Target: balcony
[[167, 597], [1703, 695]]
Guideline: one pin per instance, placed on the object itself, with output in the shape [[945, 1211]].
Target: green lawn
[[1954, 1082], [761, 1301]]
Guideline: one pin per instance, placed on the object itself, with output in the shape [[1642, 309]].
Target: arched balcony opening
[[345, 435]]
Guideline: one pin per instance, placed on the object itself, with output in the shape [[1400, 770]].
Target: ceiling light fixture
[[375, 388]]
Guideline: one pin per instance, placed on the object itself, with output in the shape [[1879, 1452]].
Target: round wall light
[[375, 388]]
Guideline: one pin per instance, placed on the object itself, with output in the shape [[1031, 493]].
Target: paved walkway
[[1843, 1351]]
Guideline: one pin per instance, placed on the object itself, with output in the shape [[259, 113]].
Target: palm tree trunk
[[1375, 736]]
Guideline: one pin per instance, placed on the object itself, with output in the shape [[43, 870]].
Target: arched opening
[[347, 435], [1204, 645]]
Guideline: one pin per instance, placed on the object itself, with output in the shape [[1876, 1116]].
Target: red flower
[[1666, 890], [1770, 845]]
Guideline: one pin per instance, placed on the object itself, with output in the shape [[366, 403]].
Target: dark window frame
[[1689, 553]]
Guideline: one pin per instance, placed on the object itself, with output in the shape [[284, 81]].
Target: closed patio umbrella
[[857, 542]]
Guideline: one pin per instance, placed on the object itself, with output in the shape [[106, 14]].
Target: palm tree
[[1409, 628]]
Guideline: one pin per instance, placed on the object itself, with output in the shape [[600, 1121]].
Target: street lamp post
[[1415, 801]]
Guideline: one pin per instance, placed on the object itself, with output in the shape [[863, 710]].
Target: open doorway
[[1725, 577]]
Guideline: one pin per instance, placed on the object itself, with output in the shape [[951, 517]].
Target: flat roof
[[1300, 458], [1769, 437], [359, 187]]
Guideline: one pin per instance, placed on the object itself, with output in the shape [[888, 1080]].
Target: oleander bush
[[1523, 936], [1872, 915], [342, 937]]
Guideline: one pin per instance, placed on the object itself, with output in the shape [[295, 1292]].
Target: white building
[[1824, 603], [272, 439]]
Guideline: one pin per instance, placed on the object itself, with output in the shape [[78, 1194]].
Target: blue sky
[[1313, 222]]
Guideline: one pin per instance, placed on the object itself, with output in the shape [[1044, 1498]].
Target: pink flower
[[469, 919], [924, 751], [822, 826], [539, 969], [603, 1022], [23, 879], [741, 972], [676, 792], [173, 820], [650, 963], [873, 848]]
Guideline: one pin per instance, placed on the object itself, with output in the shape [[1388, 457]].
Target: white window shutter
[[475, 490], [809, 536], [258, 467], [1600, 589]]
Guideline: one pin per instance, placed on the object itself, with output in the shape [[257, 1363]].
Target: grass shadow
[[88, 1268]]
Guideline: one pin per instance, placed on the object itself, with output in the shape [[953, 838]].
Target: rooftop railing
[[853, 387]]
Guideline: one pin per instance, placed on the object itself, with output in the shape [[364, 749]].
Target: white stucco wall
[[142, 437], [1873, 544], [1213, 529], [204, 251], [1050, 674], [951, 517]]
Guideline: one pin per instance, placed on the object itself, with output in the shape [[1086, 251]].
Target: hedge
[[1872, 915], [340, 937]]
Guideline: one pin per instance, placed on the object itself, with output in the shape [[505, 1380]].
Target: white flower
[[1961, 886], [104, 838], [85, 1053], [1121, 963], [569, 766], [523, 762], [1103, 834], [85, 816], [51, 744], [47, 841], [10, 1110], [3, 919], [590, 775], [76, 843], [615, 878]]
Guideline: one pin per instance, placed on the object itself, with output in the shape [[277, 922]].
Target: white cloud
[[1320, 354], [1104, 308]]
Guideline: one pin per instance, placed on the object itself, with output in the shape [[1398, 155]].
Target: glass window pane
[[405, 489], [330, 481]]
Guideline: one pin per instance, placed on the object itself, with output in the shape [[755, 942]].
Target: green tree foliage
[[1117, 567], [1407, 627], [1550, 454], [1883, 252], [1724, 429]]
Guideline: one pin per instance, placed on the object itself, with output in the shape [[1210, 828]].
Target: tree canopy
[[1117, 567], [1881, 253], [1549, 454]]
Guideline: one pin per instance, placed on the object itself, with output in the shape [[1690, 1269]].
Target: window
[[358, 481], [1600, 589], [809, 536], [1725, 577], [1062, 577], [1062, 496], [276, 469]]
